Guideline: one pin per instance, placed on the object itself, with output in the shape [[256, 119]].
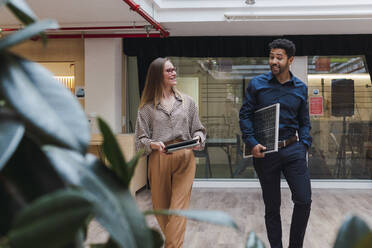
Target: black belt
[[287, 142]]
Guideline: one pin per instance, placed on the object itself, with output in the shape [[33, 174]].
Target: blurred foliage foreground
[[50, 188]]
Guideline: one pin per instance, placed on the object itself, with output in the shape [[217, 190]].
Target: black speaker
[[342, 97]]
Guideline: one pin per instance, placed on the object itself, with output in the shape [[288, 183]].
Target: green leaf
[[22, 11], [253, 241], [62, 101], [114, 208], [158, 238], [115, 156], [50, 111], [351, 231], [51, 221], [27, 176], [366, 242], [80, 236], [109, 244], [27, 33], [11, 133], [4, 242], [132, 164], [113, 153], [136, 220], [214, 217]]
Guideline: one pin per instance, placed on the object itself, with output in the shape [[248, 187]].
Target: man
[[280, 86]]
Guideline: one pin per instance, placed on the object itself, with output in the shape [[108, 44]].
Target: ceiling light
[[250, 2], [295, 16]]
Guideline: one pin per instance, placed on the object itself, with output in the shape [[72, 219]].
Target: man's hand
[[257, 151]]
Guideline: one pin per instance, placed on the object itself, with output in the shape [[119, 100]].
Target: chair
[[356, 137], [204, 154]]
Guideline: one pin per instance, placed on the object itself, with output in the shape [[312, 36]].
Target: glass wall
[[340, 109], [220, 84], [339, 99]]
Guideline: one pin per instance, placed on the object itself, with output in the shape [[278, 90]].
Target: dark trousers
[[292, 162]]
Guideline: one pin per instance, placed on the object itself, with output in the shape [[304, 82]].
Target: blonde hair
[[153, 91]]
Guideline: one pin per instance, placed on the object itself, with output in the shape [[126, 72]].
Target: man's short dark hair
[[287, 45]]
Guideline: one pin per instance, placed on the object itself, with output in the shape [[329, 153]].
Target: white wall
[[299, 68], [189, 86], [103, 81]]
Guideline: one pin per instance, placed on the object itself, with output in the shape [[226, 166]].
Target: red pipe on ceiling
[[82, 36], [148, 18], [82, 28], [8, 29], [102, 28], [74, 36], [133, 6]]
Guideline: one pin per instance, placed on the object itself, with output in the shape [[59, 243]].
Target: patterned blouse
[[158, 124]]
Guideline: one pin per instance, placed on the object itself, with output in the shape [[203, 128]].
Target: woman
[[166, 116]]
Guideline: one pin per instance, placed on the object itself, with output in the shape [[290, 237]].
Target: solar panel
[[266, 129]]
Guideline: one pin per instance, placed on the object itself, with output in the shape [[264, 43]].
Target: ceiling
[[81, 12], [212, 18]]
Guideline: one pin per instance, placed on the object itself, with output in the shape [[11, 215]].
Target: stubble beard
[[280, 70]]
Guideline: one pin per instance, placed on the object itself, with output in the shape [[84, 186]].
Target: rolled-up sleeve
[[246, 116], [304, 122], [143, 132]]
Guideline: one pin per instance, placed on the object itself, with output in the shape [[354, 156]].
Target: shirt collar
[[293, 79], [177, 95]]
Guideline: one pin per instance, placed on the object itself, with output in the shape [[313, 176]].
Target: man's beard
[[280, 69]]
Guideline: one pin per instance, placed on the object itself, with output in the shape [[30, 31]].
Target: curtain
[[147, 49]]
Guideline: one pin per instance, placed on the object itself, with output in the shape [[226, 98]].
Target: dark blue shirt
[[265, 90]]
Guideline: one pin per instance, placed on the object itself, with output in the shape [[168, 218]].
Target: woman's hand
[[198, 147], [157, 145]]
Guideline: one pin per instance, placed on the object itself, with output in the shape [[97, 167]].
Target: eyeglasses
[[170, 70]]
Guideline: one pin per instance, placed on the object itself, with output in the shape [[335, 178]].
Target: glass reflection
[[342, 145]]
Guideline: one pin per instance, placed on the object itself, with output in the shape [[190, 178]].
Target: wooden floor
[[329, 208]]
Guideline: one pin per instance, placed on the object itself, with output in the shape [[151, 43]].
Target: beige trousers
[[171, 177]]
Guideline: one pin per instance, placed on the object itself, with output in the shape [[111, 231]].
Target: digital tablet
[[182, 145]]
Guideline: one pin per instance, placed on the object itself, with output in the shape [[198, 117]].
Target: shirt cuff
[[202, 138], [306, 143], [146, 146], [251, 142]]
